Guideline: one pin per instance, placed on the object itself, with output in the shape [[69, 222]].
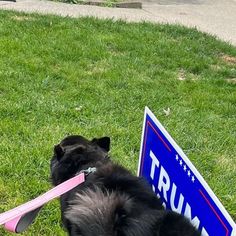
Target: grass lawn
[[62, 76]]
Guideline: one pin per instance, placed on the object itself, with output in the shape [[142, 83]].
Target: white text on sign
[[169, 190]]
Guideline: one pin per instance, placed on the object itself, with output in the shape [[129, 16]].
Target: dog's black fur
[[111, 202]]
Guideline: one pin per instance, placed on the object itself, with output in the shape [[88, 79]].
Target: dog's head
[[74, 153]]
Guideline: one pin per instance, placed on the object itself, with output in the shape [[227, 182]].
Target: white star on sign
[[189, 173], [181, 162], [176, 157], [193, 179], [185, 167]]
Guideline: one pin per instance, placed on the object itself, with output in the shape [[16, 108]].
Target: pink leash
[[19, 218]]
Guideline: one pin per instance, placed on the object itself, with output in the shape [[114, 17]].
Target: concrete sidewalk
[[217, 17]]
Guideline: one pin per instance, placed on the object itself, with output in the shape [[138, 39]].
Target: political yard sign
[[177, 182]]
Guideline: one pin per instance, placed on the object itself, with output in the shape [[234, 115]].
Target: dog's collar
[[88, 171]]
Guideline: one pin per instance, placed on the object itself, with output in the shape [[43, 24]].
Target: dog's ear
[[58, 151], [103, 142]]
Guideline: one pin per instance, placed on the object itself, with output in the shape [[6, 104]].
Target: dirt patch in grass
[[22, 18], [229, 59], [232, 80], [226, 163], [215, 67], [181, 75]]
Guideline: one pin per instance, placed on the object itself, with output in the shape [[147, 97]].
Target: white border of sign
[[187, 161]]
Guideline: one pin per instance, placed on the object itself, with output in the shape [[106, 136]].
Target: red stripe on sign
[[159, 136], [145, 140], [212, 208]]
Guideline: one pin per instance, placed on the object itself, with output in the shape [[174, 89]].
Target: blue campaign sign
[[178, 183]]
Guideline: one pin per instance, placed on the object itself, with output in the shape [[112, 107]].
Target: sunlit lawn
[[92, 77]]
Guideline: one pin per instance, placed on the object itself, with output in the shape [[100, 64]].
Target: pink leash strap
[[19, 218]]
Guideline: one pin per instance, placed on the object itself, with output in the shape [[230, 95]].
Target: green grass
[[62, 76]]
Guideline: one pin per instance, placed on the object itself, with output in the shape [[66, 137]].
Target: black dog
[[111, 202]]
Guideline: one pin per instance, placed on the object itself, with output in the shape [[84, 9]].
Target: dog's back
[[112, 202]]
